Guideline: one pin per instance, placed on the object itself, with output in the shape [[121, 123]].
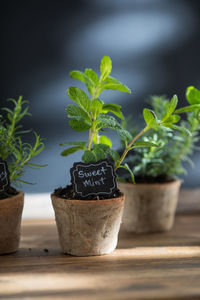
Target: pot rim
[[84, 202], [18, 195], [176, 182]]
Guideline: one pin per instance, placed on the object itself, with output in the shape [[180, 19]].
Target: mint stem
[[128, 147]]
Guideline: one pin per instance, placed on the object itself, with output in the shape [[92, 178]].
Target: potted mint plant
[[88, 212], [15, 154], [151, 202]]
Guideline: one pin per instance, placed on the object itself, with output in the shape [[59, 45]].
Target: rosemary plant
[[175, 147], [13, 149]]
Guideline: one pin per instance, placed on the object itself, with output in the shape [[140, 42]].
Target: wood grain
[[154, 266]]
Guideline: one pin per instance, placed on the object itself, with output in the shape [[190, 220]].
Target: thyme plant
[[93, 115], [13, 149], [175, 147]]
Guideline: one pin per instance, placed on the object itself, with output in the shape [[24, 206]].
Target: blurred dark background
[[154, 46]]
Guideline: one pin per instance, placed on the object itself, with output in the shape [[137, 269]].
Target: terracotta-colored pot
[[88, 227], [149, 207], [10, 223]]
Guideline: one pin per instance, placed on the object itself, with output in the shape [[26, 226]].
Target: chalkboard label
[[4, 176], [96, 178]]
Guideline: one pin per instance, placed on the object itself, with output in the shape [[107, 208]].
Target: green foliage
[[113, 108], [105, 68], [98, 152], [96, 85], [17, 153], [126, 167], [144, 144], [91, 113], [79, 125], [79, 97], [170, 110], [193, 95], [103, 140], [167, 150], [150, 119]]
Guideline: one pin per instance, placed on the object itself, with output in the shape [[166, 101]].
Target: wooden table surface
[[154, 266]]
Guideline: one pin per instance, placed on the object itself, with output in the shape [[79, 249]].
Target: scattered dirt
[[9, 193], [68, 193]]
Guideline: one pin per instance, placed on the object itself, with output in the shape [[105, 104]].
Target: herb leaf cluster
[[13, 149], [91, 114], [175, 147]]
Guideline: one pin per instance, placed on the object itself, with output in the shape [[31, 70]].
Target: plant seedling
[[93, 115], [165, 161], [13, 150]]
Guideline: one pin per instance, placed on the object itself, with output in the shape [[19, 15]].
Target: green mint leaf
[[116, 86], [78, 75], [79, 125], [88, 78], [77, 113], [79, 97], [193, 95], [105, 140], [124, 135], [173, 119], [187, 108], [96, 108], [172, 106], [71, 150], [103, 147], [99, 140], [99, 153], [92, 75], [120, 86], [126, 166], [91, 90], [108, 122], [144, 144], [75, 143], [105, 67], [150, 118], [113, 108], [88, 156], [114, 155]]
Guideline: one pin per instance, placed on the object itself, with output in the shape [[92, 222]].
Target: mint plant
[[175, 147], [13, 149], [93, 115]]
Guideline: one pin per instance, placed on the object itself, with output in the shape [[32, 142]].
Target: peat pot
[[10, 223], [149, 207], [88, 227]]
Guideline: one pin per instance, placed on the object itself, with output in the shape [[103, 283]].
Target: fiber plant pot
[[88, 227], [149, 207], [10, 223]]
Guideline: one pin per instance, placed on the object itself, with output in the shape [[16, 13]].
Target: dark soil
[[68, 193], [9, 193], [161, 179]]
